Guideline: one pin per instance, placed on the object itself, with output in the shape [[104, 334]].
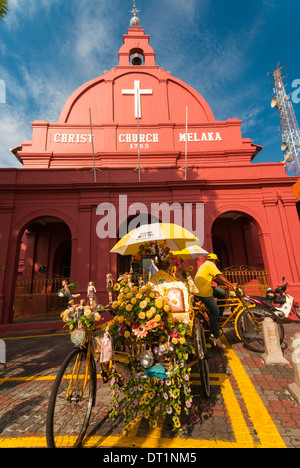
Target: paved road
[[250, 405]]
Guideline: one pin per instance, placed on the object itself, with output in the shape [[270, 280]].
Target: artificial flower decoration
[[146, 327], [81, 317]]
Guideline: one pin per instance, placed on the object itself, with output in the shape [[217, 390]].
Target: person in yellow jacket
[[205, 276]]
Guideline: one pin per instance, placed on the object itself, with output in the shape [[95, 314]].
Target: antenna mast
[[288, 123]]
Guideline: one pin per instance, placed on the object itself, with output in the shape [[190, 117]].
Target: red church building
[[152, 140]]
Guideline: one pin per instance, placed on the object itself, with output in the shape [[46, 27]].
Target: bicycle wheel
[[71, 401], [202, 357], [250, 330]]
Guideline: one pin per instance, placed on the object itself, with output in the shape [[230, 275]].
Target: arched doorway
[[62, 260], [236, 241], [44, 260], [124, 262]]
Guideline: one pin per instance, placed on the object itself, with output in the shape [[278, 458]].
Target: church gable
[[135, 107]]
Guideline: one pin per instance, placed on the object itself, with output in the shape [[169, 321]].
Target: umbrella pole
[[186, 144]]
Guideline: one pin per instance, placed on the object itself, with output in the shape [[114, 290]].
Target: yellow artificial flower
[[174, 341], [143, 304], [142, 315], [177, 408], [133, 300], [127, 334], [64, 315], [139, 296], [176, 394], [177, 424], [87, 312], [129, 307], [115, 304], [157, 318], [182, 340], [167, 308], [150, 313], [159, 303]]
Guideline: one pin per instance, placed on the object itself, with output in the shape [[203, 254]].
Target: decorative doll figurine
[[80, 308], [106, 349], [65, 287], [91, 294], [129, 280], [109, 286], [141, 282]]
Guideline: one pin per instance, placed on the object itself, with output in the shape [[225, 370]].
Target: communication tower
[[288, 123]]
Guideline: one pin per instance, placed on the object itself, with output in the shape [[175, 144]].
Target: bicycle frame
[[76, 370], [239, 307]]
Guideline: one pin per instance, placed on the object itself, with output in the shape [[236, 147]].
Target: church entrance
[[44, 260], [235, 239], [141, 267]]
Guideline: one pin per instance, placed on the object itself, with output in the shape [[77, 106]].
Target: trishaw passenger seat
[[177, 293]]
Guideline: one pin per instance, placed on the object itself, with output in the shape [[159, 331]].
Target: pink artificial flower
[[151, 324], [141, 331]]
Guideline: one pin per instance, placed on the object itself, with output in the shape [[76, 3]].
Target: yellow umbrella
[[174, 236], [191, 252]]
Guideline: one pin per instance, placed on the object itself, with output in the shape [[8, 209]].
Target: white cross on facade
[[137, 92]]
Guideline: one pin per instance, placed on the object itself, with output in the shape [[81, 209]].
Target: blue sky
[[223, 49]]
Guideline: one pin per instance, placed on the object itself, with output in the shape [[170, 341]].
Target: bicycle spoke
[[72, 401]]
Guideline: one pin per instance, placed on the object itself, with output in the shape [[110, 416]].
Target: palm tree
[[3, 8]]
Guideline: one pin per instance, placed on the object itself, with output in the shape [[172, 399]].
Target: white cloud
[[46, 91], [21, 10], [13, 130], [184, 7], [94, 44], [87, 42], [38, 86]]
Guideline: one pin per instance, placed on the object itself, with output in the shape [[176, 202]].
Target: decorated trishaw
[[146, 352]]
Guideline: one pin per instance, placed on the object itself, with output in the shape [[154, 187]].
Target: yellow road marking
[[33, 336], [263, 424], [259, 415], [36, 379]]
